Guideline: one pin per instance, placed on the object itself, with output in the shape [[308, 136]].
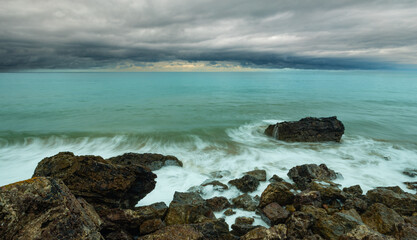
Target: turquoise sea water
[[211, 121]]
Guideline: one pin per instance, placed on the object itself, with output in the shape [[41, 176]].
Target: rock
[[329, 192], [354, 191], [153, 161], [307, 198], [363, 232], [394, 198], [98, 181], [246, 183], [244, 220], [216, 185], [245, 201], [241, 229], [308, 130], [118, 235], [299, 225], [214, 229], [356, 203], [229, 212], [381, 218], [410, 172], [44, 208], [130, 220], [258, 174], [405, 231], [277, 192], [336, 225], [303, 175], [412, 220], [275, 178], [217, 204], [277, 232], [274, 214], [411, 185], [150, 226], [188, 208]]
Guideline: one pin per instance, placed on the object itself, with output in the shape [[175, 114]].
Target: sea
[[212, 122]]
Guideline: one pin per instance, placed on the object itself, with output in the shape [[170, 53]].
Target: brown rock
[[150, 226], [258, 174], [187, 208], [98, 181], [277, 192], [330, 193], [277, 232], [217, 204], [381, 218], [307, 198], [246, 183], [275, 178], [216, 185], [241, 229], [299, 225], [245, 201], [405, 231], [394, 198], [337, 225], [153, 161], [244, 220], [356, 203], [229, 212], [303, 175], [354, 191], [308, 130], [44, 208], [274, 214], [364, 232]]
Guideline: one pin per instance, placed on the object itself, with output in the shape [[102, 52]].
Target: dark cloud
[[257, 34]]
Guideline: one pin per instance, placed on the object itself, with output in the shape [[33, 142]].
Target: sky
[[206, 35]]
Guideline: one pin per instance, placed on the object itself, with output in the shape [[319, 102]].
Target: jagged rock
[[410, 172], [364, 232], [275, 178], [150, 226], [245, 201], [330, 193], [44, 208], [229, 212], [381, 218], [214, 229], [244, 220], [336, 225], [277, 232], [354, 191], [130, 220], [98, 181], [216, 185], [218, 203], [395, 198], [277, 192], [307, 198], [308, 130], [246, 183], [356, 203], [241, 229], [299, 225], [258, 174], [153, 161], [274, 214], [405, 231], [187, 208], [303, 175]]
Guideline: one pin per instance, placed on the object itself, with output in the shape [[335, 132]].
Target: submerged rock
[[153, 161], [246, 183], [44, 208], [258, 174], [216, 185], [98, 181], [308, 130], [304, 174]]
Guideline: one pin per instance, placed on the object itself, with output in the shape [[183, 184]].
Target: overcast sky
[[224, 34]]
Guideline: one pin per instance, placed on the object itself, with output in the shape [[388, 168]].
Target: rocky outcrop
[[98, 181], [246, 183], [153, 161], [44, 208], [308, 130], [304, 174]]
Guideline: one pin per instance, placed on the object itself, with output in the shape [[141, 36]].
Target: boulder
[[307, 197], [359, 204], [229, 212], [279, 192], [364, 232], [354, 191], [217, 204], [98, 181], [277, 232], [241, 229], [275, 178], [150, 226], [258, 174], [405, 231], [153, 161], [395, 198], [304, 174], [274, 214], [244, 220], [381, 218], [188, 208], [336, 225], [245, 201], [246, 183], [308, 130], [44, 208], [330, 193], [299, 225]]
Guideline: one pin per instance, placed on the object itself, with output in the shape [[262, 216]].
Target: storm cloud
[[93, 34]]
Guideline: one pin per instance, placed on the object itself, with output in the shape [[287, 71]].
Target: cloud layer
[[93, 34]]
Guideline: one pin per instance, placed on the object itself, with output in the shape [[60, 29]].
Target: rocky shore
[[88, 197]]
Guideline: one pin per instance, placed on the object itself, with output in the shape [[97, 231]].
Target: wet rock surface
[[258, 174], [279, 192], [303, 175], [98, 181], [218, 203], [153, 161], [246, 183], [245, 201], [308, 130]]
